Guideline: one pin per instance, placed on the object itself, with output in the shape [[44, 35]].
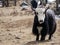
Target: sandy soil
[[16, 28]]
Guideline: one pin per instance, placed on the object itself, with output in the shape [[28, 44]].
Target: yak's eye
[[36, 13]]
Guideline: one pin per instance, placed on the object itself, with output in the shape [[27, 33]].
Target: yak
[[44, 24]]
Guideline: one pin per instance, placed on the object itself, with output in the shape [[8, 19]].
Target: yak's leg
[[43, 37], [52, 32], [50, 36], [37, 37]]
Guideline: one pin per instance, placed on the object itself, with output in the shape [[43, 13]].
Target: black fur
[[33, 4], [49, 27]]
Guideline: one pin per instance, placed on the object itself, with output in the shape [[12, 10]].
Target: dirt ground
[[16, 28]]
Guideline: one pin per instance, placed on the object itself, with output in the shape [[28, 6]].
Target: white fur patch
[[41, 15], [39, 29], [40, 10]]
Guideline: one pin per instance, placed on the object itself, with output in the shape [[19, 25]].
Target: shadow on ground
[[36, 42]]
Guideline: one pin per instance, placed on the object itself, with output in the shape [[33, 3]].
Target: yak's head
[[40, 14]]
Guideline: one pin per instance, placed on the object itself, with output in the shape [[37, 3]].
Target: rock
[[17, 38]]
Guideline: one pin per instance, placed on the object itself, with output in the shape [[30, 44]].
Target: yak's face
[[40, 14]]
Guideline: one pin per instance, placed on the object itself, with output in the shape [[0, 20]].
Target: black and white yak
[[44, 23]]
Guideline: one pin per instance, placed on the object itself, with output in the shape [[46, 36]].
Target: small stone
[[17, 38], [0, 40]]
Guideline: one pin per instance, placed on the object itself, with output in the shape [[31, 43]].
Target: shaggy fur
[[48, 27]]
